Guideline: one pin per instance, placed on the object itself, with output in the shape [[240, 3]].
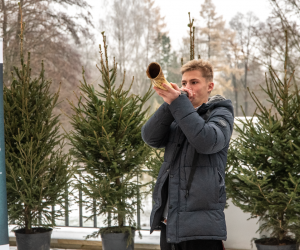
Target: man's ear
[[210, 86]]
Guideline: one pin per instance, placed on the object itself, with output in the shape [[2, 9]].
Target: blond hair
[[204, 67]]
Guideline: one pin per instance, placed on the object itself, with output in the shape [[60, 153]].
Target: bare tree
[[233, 72], [211, 27], [285, 15], [134, 31], [213, 43], [243, 25], [53, 33], [47, 31]]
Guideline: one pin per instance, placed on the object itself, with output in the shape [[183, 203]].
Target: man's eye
[[194, 82], [183, 84]]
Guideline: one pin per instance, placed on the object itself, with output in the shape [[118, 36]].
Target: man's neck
[[200, 103]]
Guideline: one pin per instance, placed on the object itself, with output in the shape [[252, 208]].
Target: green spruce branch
[[262, 175]]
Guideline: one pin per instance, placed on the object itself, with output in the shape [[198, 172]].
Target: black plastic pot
[[116, 241], [39, 240], [275, 247]]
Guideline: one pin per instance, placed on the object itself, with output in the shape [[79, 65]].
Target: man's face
[[198, 86]]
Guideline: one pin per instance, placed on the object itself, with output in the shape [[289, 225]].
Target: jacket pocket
[[210, 223], [221, 180], [204, 189], [222, 193]]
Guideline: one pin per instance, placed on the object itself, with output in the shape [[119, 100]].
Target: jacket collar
[[213, 101]]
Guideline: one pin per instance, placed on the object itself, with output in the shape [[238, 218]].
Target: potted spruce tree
[[108, 146], [36, 174], [264, 163]]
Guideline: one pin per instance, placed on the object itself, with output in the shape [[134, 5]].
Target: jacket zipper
[[176, 151], [178, 190], [174, 155]]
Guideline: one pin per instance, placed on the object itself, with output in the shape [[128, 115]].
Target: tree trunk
[[148, 38], [208, 47], [18, 30], [4, 27], [120, 216], [208, 38], [282, 232], [27, 220], [15, 54], [5, 40], [246, 91], [235, 94]]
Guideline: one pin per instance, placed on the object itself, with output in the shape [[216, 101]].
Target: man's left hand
[[170, 94]]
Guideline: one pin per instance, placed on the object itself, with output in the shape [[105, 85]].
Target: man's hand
[[190, 92], [170, 94]]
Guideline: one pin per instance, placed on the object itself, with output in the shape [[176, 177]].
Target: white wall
[[240, 231]]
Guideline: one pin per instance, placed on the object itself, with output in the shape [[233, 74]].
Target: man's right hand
[[191, 95]]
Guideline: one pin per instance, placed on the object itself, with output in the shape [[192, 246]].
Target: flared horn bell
[[154, 72]]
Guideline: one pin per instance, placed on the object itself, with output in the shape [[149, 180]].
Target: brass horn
[[154, 72]]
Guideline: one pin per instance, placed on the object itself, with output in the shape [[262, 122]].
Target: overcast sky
[[176, 13]]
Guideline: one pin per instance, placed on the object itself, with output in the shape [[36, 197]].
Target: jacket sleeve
[[155, 132], [207, 137]]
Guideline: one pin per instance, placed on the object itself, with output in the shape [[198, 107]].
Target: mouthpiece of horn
[[154, 72]]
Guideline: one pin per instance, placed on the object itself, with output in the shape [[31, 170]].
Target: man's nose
[[189, 86]]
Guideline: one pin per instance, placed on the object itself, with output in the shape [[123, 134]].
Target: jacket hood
[[215, 102], [215, 98]]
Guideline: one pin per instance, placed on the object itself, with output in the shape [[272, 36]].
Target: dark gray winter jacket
[[201, 214]]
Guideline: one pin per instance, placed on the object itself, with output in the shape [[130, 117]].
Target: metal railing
[[80, 210], [80, 215]]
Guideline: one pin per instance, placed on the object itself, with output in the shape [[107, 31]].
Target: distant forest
[[240, 51]]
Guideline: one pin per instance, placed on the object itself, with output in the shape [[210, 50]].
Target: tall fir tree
[[173, 69], [165, 51], [264, 161], [37, 171], [107, 143]]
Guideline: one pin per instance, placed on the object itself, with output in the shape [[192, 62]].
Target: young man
[[195, 132]]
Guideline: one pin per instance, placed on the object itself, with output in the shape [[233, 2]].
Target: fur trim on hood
[[215, 98]]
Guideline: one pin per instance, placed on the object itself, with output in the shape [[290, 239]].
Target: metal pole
[[138, 206], [67, 207], [95, 215], [80, 207], [52, 213], [4, 243], [94, 208]]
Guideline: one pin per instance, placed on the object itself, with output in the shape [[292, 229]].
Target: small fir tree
[[37, 172], [108, 144], [264, 161]]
